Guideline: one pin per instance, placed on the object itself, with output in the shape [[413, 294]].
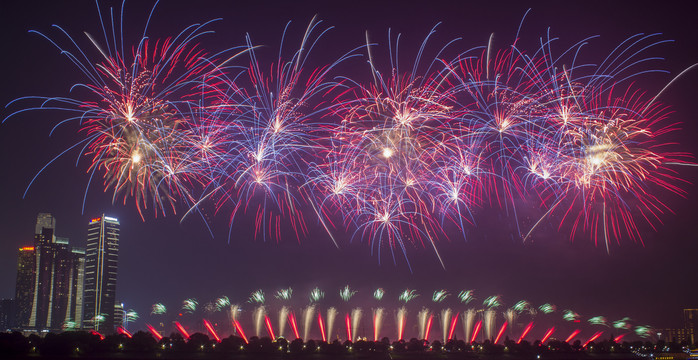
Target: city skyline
[[649, 282]]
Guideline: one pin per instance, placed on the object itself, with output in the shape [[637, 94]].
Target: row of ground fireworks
[[406, 157], [477, 322]]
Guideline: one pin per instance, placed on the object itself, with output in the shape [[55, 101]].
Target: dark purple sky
[[163, 260]]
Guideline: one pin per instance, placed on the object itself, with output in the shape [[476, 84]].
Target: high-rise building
[[76, 281], [690, 322], [56, 268], [119, 315], [679, 336], [24, 287], [54, 261], [44, 221], [7, 314], [101, 259], [45, 270]]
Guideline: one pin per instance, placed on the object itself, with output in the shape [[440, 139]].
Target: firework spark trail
[[424, 319], [547, 308], [258, 316], [598, 320], [466, 296], [331, 316], [257, 297], [131, 128], [378, 294], [489, 318], [401, 318], [189, 306], [276, 134], [510, 317], [158, 309], [284, 316], [408, 295], [569, 315], [308, 315], [347, 293], [623, 323], [468, 322], [284, 294], [377, 322], [445, 323], [316, 295], [233, 311], [356, 314]]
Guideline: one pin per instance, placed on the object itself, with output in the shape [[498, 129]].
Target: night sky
[[163, 260]]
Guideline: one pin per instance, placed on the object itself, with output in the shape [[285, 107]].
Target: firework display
[[443, 320], [396, 159]]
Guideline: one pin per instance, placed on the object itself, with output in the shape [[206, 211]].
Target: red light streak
[[375, 328], [572, 335], [154, 332], [525, 332], [401, 328], [211, 330], [239, 330], [478, 325], [322, 327], [548, 334], [181, 330], [348, 321], [294, 326], [596, 336], [501, 331], [269, 328], [123, 331], [453, 327], [426, 332]]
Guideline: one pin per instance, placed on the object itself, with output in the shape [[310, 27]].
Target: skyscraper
[[7, 314], [690, 323], [54, 261], [101, 259], [44, 221], [24, 287], [46, 278], [76, 280]]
